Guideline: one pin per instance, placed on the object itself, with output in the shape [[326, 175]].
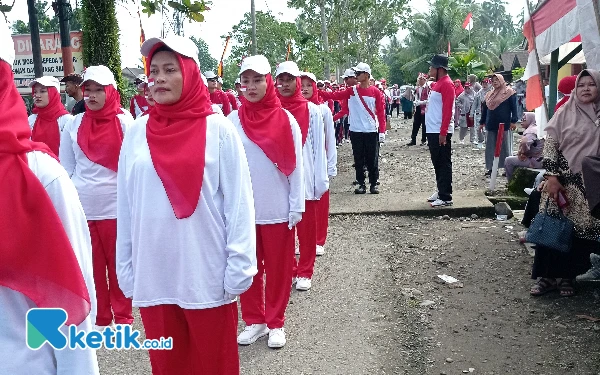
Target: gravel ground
[[404, 168], [378, 307]]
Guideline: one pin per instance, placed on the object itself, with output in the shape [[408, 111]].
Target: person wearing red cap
[[45, 254], [367, 125], [565, 87], [186, 243], [316, 181], [310, 93], [217, 96], [273, 144], [49, 114], [89, 151]]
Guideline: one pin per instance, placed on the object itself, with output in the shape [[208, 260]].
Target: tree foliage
[[46, 23], [101, 38], [207, 62]]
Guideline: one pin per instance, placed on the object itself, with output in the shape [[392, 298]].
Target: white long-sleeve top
[[189, 262], [16, 357], [330, 148], [275, 194], [62, 120], [96, 184], [316, 180]]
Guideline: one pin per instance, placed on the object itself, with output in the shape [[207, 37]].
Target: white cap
[[257, 63], [210, 75], [362, 67], [47, 81], [142, 77], [7, 53], [238, 81], [181, 45], [99, 74], [349, 73], [309, 75], [319, 82], [289, 67], [220, 80]]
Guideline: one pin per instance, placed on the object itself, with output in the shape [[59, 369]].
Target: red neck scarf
[[46, 127], [100, 134], [37, 259], [268, 126], [315, 98], [176, 136], [298, 106]]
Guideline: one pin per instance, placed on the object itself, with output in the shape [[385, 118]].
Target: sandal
[[565, 286], [543, 286]]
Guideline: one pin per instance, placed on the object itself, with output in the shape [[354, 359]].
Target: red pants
[[307, 239], [204, 341], [104, 247], [267, 303], [322, 219]]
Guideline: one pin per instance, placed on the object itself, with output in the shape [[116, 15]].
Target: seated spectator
[[530, 148]]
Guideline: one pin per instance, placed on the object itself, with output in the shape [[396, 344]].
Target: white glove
[[381, 137], [294, 219], [230, 297]]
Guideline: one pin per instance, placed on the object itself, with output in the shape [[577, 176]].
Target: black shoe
[[374, 189], [362, 189], [411, 144], [488, 173], [355, 182]]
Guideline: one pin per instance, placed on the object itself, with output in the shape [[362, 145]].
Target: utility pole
[[36, 50], [63, 10], [253, 16], [325, 41]]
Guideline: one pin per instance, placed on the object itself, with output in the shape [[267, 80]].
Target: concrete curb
[[466, 203]]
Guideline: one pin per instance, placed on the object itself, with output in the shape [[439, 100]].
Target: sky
[[224, 14]]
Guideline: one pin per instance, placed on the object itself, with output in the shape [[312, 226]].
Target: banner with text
[[51, 56]]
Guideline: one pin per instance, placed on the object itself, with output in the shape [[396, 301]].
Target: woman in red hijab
[[316, 181], [89, 151], [566, 87], [273, 145], [310, 92], [186, 243], [44, 252], [49, 114]]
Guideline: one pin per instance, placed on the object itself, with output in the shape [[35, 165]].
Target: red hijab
[[315, 98], [176, 136], [458, 88], [37, 259], [100, 134], [46, 127], [268, 126], [566, 87], [298, 107]]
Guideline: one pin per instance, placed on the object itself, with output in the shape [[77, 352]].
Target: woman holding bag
[[572, 134]]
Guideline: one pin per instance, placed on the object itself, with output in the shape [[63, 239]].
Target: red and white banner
[[468, 23]]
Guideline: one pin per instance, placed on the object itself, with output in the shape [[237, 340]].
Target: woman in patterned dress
[[572, 134]]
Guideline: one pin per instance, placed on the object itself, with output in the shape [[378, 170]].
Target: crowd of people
[[192, 199]]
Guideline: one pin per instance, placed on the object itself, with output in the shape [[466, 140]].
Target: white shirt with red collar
[[367, 117]]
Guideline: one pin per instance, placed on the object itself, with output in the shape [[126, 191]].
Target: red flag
[[220, 68], [142, 40], [468, 23]]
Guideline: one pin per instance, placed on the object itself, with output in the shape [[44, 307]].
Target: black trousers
[[408, 115], [441, 157], [397, 106], [365, 148], [553, 264], [346, 128], [418, 123]]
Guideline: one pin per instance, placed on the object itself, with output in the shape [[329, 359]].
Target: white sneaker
[[276, 338], [440, 203], [462, 142], [252, 333], [320, 250], [433, 197], [303, 283], [297, 252]]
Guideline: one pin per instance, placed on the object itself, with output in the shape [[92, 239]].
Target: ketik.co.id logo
[[45, 326]]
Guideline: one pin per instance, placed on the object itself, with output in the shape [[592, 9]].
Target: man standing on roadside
[[421, 97], [440, 126], [73, 89]]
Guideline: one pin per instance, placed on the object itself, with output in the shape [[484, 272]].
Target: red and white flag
[[468, 23]]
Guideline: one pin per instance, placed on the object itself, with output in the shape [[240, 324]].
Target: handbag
[[554, 232]]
